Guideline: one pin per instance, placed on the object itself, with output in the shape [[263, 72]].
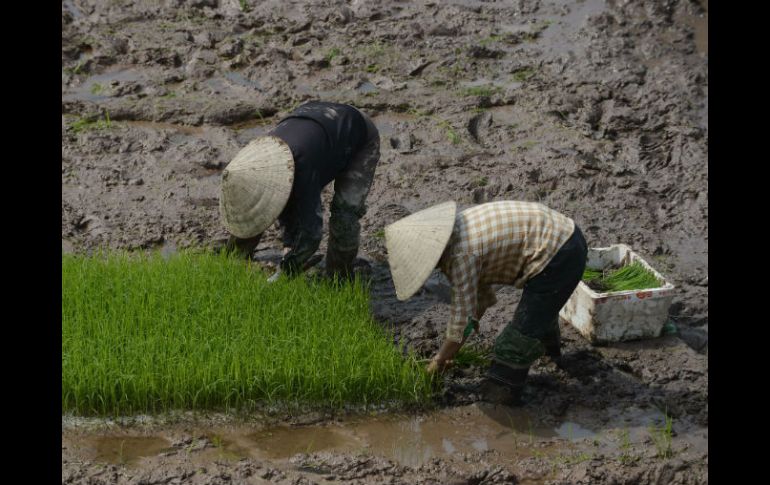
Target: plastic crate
[[618, 316]]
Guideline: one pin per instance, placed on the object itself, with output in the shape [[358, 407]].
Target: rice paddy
[[141, 333], [634, 276]]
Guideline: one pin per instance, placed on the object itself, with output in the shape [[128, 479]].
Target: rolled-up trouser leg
[[349, 204], [535, 322]]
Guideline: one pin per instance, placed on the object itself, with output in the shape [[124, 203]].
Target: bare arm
[[444, 356]]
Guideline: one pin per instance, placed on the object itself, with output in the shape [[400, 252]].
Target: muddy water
[[700, 26], [72, 9], [510, 433], [157, 126], [568, 18], [99, 87], [120, 449]]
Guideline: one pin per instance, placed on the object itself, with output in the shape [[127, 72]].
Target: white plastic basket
[[618, 315]]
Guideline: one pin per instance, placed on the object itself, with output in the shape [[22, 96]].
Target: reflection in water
[[409, 440], [128, 449]]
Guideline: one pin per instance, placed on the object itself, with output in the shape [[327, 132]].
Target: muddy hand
[[437, 366]]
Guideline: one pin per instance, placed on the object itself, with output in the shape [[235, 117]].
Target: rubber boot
[[552, 342], [503, 384], [553, 349]]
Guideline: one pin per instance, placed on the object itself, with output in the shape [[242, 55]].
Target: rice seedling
[[491, 39], [574, 458], [141, 333], [523, 74], [591, 274], [451, 134], [333, 52], [85, 124], [631, 277], [625, 446], [661, 436], [481, 90], [472, 355], [634, 276], [76, 69]]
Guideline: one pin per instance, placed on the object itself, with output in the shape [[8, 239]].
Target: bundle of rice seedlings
[[634, 276]]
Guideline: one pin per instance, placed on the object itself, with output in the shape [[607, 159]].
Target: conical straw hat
[[415, 244], [256, 185]]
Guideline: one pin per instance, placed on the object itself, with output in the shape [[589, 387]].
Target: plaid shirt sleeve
[[464, 275]]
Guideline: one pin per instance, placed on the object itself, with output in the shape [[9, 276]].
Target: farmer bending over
[[523, 244], [281, 175]]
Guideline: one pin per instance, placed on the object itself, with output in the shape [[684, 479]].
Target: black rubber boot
[[503, 384], [553, 350], [508, 375], [552, 342]]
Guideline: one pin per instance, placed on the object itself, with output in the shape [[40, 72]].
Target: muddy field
[[597, 108]]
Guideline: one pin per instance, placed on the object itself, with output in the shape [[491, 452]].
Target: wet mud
[[598, 109]]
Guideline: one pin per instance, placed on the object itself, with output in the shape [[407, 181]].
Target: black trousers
[[534, 328]]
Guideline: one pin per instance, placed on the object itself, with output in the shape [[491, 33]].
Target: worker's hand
[[242, 247], [438, 365]]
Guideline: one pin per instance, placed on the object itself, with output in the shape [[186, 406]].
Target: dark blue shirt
[[323, 138]]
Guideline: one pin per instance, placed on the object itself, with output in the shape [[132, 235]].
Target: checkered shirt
[[504, 242]]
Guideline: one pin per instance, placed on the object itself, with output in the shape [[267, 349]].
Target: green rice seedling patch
[[634, 276], [87, 124], [143, 333], [661, 436]]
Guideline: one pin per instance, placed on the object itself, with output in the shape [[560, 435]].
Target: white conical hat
[[256, 185], [415, 244]]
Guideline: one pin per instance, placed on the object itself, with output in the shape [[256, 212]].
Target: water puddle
[[128, 449], [232, 81], [489, 86], [700, 26], [391, 123], [317, 90], [702, 34], [251, 129], [73, 10], [98, 88], [159, 126], [410, 440], [240, 80], [284, 442], [560, 34], [458, 434], [573, 431], [366, 87], [510, 116], [703, 115]]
